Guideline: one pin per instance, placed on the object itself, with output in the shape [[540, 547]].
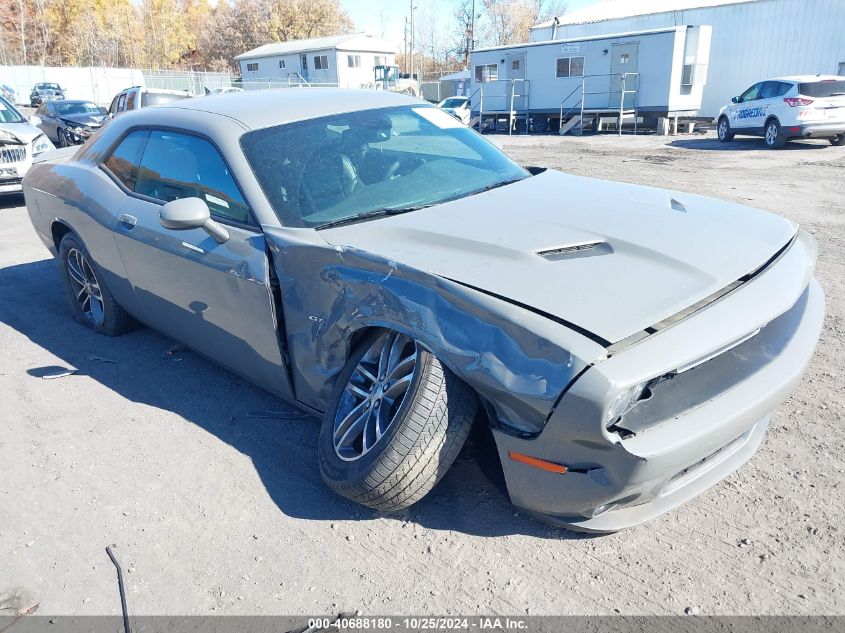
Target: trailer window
[[354, 61], [570, 67], [252, 67], [321, 62], [486, 72]]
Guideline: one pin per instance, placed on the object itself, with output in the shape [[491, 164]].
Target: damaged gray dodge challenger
[[370, 259]]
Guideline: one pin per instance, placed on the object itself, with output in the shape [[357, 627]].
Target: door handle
[[127, 220]]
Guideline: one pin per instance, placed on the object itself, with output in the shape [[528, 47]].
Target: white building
[[339, 60], [751, 39]]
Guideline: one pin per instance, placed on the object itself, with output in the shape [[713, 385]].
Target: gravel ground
[[218, 512]]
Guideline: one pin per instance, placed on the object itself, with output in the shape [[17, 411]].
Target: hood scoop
[[575, 251]]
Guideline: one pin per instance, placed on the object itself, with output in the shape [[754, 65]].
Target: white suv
[[139, 97], [810, 106]]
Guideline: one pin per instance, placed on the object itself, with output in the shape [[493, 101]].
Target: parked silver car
[[372, 260], [20, 142]]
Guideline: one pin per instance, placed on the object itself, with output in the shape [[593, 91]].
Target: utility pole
[[411, 50], [472, 29], [405, 56]]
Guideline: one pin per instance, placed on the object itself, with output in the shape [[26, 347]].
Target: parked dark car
[[69, 122], [45, 92]]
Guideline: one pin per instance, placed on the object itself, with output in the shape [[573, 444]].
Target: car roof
[[265, 108], [806, 78]]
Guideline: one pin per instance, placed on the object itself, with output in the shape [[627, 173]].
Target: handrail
[[511, 110], [480, 92], [584, 93], [300, 79]]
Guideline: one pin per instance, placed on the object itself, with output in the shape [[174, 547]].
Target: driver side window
[[178, 166], [752, 94]]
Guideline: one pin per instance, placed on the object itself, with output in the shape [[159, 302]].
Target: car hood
[[85, 118], [657, 252], [24, 131]]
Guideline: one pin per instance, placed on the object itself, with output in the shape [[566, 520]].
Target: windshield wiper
[[495, 185], [369, 215]]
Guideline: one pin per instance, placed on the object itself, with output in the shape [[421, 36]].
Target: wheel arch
[[58, 230], [769, 119]]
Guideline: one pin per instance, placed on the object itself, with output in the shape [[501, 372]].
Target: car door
[[216, 298], [747, 115], [51, 121]]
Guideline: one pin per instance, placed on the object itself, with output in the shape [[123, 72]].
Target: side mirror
[[35, 120], [734, 99], [191, 213]]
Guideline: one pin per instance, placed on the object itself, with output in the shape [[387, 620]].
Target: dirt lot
[[217, 512]]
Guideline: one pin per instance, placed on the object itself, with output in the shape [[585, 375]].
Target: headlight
[[41, 144], [623, 403]]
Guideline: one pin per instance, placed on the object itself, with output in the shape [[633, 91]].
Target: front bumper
[[13, 171], [614, 483]]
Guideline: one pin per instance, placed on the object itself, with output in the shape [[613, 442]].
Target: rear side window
[[770, 90], [178, 166], [126, 158], [159, 98], [823, 89]]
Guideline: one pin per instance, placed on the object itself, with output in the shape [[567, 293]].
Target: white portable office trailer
[[752, 39], [550, 84], [345, 61]]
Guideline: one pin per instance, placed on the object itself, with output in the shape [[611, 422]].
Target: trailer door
[[515, 73], [625, 59]]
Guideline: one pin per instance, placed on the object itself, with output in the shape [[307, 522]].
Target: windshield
[[454, 102], [47, 87], [8, 113], [824, 88], [77, 107], [159, 98], [325, 170]]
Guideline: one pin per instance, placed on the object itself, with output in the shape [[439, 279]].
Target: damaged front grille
[[677, 392]]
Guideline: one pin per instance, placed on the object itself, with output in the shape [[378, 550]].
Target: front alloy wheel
[[397, 421], [724, 130], [374, 395]]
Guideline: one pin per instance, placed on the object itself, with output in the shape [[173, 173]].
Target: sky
[[386, 18]]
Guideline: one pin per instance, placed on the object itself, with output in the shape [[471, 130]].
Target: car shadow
[[746, 144], [281, 441]]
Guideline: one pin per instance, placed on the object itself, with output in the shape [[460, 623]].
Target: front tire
[[397, 421], [773, 135], [838, 140], [723, 129], [90, 299], [61, 138]]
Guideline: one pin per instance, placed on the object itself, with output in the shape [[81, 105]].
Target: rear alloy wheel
[[773, 136], [838, 140], [396, 423], [90, 299], [723, 129]]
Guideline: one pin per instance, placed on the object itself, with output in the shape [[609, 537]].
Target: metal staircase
[[573, 118]]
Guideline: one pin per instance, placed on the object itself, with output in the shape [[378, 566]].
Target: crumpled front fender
[[518, 361]]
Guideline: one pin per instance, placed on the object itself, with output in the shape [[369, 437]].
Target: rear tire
[[838, 140], [90, 299], [773, 135], [723, 129], [412, 425]]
